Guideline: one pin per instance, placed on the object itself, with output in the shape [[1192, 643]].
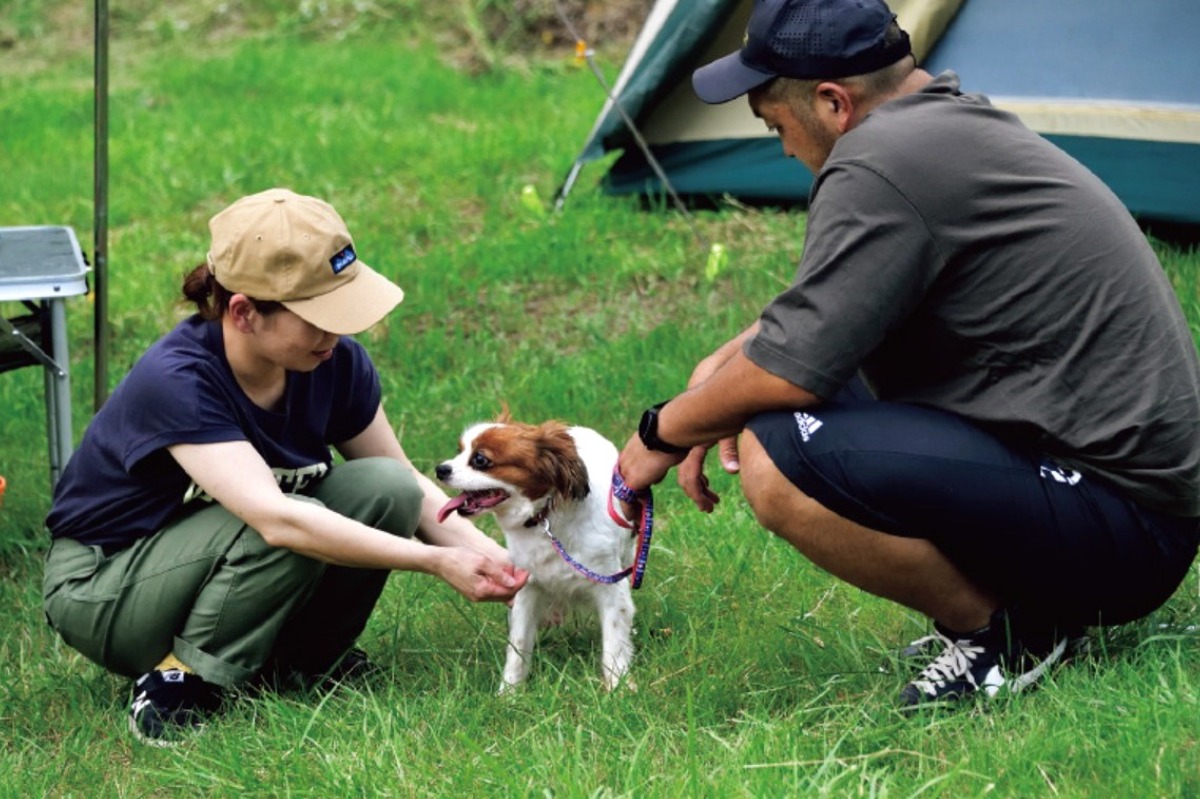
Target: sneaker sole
[[161, 743]]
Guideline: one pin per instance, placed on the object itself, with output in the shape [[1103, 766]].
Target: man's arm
[[708, 366], [720, 406], [714, 409]]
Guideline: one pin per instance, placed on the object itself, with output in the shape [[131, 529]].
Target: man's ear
[[241, 310], [835, 104]]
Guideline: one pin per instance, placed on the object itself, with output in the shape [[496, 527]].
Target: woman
[[201, 534]]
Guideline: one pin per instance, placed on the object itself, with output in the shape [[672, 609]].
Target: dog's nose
[[442, 471]]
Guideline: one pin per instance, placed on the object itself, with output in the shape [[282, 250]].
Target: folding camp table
[[40, 267]]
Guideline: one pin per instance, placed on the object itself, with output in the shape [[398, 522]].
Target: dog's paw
[[510, 688], [620, 685]]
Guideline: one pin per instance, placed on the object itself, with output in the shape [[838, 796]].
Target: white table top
[[40, 262]]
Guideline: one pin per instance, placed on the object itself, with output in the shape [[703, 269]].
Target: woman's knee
[[379, 492], [251, 552]]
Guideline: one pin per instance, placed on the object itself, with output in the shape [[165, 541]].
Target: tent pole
[[568, 183], [585, 52], [100, 206]]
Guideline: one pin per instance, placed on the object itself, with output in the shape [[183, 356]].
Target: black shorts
[[1048, 540]]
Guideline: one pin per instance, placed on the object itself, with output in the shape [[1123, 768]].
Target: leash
[[645, 529], [645, 521]]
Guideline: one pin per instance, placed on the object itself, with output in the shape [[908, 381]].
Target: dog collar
[[540, 517]]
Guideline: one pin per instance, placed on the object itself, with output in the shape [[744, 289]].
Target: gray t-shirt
[[963, 262]]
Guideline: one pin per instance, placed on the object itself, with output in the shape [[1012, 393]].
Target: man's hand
[[641, 468], [694, 482]]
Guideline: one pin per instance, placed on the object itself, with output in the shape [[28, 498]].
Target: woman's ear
[[241, 311]]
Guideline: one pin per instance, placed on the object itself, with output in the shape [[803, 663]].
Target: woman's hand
[[478, 577]]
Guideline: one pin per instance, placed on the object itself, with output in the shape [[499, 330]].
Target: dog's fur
[[518, 471]]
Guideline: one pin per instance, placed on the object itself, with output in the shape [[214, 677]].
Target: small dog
[[550, 478]]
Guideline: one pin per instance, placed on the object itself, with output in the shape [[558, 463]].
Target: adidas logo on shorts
[[1060, 474], [807, 425]]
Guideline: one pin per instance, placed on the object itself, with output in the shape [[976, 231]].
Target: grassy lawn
[[758, 675]]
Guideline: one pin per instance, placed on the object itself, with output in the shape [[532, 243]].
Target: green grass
[[758, 675]]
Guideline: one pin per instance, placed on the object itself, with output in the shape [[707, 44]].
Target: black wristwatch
[[648, 433]]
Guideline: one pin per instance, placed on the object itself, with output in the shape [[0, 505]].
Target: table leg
[[58, 393]]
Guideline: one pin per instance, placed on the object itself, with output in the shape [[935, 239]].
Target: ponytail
[[212, 299]]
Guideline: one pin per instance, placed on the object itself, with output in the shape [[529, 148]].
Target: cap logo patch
[[343, 258]]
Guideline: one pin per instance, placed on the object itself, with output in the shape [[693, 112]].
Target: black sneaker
[[352, 666], [990, 660], [1079, 645], [923, 647], [170, 705]]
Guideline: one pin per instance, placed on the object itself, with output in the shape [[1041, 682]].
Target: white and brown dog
[[544, 481]]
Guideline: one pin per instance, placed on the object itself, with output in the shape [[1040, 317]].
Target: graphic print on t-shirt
[[291, 481]]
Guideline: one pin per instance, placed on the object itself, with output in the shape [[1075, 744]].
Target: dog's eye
[[480, 461]]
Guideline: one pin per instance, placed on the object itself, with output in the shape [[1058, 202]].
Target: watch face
[[648, 433], [647, 425]]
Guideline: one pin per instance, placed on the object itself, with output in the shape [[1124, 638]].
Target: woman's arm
[[379, 440], [236, 476]]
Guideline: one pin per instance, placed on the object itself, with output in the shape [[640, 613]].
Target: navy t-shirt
[[122, 484]]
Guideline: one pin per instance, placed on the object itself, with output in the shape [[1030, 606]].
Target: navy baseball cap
[[803, 39]]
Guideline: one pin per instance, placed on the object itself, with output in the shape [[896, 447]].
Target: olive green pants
[[210, 590]]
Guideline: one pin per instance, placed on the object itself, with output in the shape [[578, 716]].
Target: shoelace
[[918, 646], [954, 663]]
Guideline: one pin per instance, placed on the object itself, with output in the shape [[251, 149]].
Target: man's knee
[[777, 504], [756, 469]]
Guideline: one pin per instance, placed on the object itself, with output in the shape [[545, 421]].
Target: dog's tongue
[[454, 504]]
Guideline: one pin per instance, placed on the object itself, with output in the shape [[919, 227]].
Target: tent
[[1112, 83]]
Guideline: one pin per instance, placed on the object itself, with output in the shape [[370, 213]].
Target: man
[[1032, 464]]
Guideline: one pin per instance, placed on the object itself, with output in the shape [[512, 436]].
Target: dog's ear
[[504, 417], [567, 471]]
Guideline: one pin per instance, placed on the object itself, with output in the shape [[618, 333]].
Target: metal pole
[[60, 393], [100, 206]]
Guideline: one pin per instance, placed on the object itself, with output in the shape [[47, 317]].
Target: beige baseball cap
[[282, 246]]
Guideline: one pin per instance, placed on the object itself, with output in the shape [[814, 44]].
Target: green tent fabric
[[654, 85], [661, 57]]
